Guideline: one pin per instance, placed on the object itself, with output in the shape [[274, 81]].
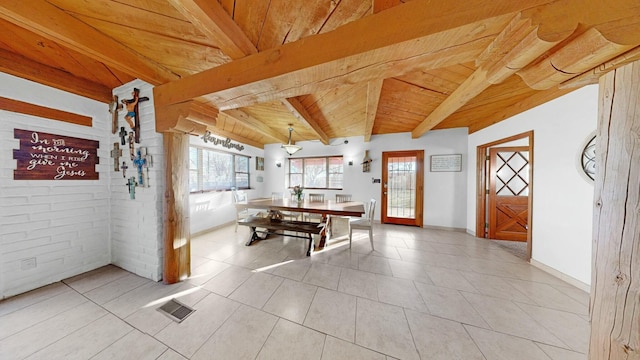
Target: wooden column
[[177, 237], [615, 285]]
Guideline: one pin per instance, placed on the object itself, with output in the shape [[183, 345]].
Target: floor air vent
[[175, 310]]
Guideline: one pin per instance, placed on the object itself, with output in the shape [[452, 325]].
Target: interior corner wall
[[444, 192], [137, 224], [562, 197], [62, 225], [212, 209]]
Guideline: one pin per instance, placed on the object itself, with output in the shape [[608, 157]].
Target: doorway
[[504, 188], [402, 187]]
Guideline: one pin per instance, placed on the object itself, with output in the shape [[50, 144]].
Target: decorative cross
[[123, 135], [131, 184], [143, 162], [132, 116], [115, 154], [124, 169], [132, 154], [113, 109]]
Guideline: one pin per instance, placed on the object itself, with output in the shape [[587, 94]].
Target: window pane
[[315, 173], [242, 164], [295, 179], [193, 180], [242, 180], [295, 166], [217, 171], [193, 159]]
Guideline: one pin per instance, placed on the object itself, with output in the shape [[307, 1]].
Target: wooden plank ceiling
[[245, 69]]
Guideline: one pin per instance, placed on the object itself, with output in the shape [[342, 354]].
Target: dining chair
[[315, 198], [339, 225], [340, 198], [364, 223], [240, 196]]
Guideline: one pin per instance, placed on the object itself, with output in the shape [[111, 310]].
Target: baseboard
[[432, 227], [564, 277], [472, 233]]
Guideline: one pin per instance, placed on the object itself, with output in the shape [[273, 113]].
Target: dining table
[[325, 208]]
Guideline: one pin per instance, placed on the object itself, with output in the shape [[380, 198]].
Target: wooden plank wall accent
[[44, 112], [615, 284], [177, 237]]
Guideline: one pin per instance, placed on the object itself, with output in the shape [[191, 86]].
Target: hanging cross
[[123, 135], [115, 154], [124, 169], [132, 154], [113, 109], [131, 184], [143, 161], [132, 117]]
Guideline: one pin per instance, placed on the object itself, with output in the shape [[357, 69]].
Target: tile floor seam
[[464, 326], [210, 336]]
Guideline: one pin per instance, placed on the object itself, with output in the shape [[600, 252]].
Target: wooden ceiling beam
[[331, 59], [515, 47], [586, 51], [53, 23], [210, 18], [19, 66], [256, 125], [213, 20], [593, 75], [374, 89], [300, 112], [189, 117]]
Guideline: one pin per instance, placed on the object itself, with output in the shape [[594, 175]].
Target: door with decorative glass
[[402, 187], [509, 174]]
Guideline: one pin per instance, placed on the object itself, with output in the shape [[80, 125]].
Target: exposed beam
[[44, 112], [189, 117], [515, 47], [255, 124], [210, 18], [17, 65], [593, 75], [300, 112], [331, 59], [214, 21], [586, 51], [54, 24], [374, 89]]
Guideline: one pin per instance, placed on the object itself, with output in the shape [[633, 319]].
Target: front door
[[402, 180], [509, 193]]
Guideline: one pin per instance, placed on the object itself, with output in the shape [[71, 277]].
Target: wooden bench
[[279, 226]]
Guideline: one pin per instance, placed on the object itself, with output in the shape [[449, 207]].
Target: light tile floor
[[422, 294]]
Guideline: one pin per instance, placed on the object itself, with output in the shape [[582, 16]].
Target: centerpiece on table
[[297, 193]]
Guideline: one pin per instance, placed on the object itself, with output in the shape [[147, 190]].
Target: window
[[217, 170], [316, 173]]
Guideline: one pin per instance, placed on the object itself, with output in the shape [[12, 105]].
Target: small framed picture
[[259, 163], [451, 162]]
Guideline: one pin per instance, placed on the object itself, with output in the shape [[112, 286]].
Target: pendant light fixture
[[289, 147]]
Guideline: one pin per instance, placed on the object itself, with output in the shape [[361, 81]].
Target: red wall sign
[[45, 156]]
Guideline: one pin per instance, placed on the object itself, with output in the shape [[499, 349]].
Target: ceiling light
[[289, 147]]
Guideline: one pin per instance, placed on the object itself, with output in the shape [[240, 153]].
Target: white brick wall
[[136, 225], [63, 225]]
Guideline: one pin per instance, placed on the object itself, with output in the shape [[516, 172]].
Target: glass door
[[402, 187]]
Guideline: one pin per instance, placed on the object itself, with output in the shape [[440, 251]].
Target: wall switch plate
[[27, 264]]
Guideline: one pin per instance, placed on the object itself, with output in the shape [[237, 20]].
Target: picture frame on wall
[[445, 163], [259, 163]]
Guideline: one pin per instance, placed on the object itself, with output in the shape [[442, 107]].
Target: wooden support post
[[615, 285], [177, 237]]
